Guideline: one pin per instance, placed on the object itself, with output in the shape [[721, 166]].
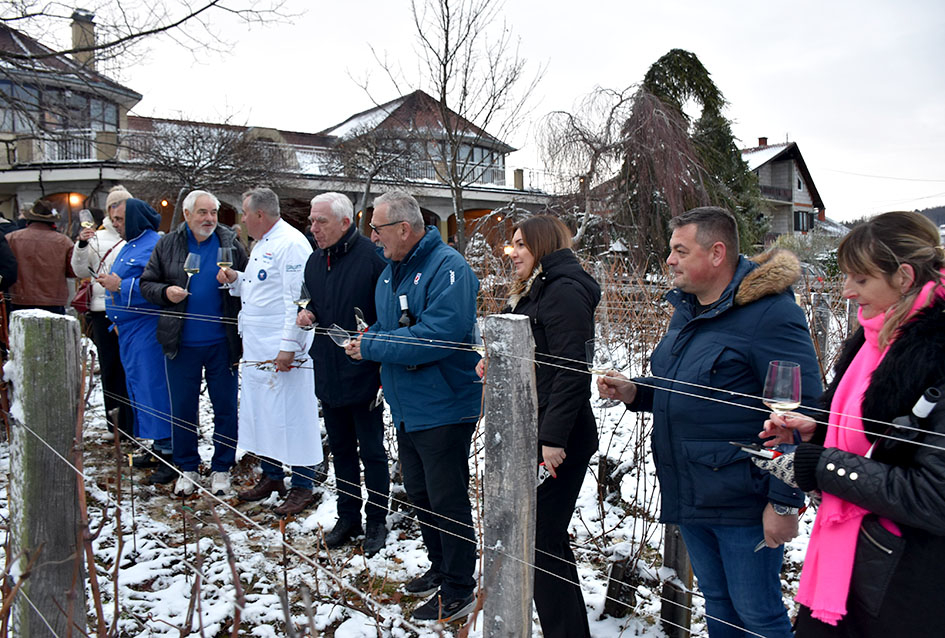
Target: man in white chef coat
[[278, 416]]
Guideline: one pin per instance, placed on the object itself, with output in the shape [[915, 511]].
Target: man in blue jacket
[[733, 316], [341, 276], [426, 311]]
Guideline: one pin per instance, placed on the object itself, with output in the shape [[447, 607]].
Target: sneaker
[[219, 482], [343, 532], [162, 475], [424, 585], [186, 484], [374, 539], [298, 499], [263, 489], [445, 610]]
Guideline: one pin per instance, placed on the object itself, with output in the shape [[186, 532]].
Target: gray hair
[[401, 207], [264, 200], [340, 204], [192, 196]]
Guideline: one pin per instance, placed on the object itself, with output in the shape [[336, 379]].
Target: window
[[803, 221], [800, 186]]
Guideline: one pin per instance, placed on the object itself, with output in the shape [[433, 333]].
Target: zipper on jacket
[[875, 542]]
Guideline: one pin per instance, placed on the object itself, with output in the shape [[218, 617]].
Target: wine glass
[[191, 267], [782, 391], [598, 357], [302, 302], [224, 260], [339, 335], [86, 219]]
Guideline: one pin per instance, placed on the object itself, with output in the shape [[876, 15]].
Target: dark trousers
[[112, 372], [56, 310], [356, 431], [435, 466], [558, 597], [303, 476], [184, 373]]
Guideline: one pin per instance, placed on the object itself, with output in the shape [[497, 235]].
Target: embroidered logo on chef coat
[[261, 275], [416, 280], [293, 268]]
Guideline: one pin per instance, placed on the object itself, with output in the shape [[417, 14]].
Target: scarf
[[828, 565]]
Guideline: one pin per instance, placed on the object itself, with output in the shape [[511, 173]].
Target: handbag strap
[[105, 256]]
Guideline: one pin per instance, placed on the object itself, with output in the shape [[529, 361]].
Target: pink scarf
[[828, 565]]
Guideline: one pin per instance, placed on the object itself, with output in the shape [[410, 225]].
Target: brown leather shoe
[[262, 489], [298, 499]]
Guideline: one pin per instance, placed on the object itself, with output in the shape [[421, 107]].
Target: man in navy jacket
[[340, 276], [426, 311], [733, 316]]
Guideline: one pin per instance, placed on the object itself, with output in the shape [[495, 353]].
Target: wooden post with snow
[[511, 443], [676, 610], [45, 363]]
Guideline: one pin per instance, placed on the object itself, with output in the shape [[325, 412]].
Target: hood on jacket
[[771, 273], [564, 263], [139, 217]]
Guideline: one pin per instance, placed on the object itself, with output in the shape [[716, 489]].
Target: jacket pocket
[[718, 473], [878, 552]]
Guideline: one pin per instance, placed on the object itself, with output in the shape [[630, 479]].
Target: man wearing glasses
[[427, 296]]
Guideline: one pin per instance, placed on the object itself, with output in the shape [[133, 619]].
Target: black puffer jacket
[[560, 305], [896, 588], [166, 269]]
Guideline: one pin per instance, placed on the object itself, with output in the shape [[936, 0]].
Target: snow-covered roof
[[364, 121], [761, 155]]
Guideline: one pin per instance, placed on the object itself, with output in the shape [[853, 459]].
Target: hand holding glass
[[224, 260], [86, 220], [191, 267], [302, 302], [782, 391]]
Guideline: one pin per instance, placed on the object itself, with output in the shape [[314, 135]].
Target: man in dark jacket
[[426, 306], [732, 317], [198, 336], [43, 256], [341, 276]]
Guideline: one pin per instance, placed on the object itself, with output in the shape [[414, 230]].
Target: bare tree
[[585, 147], [221, 158]]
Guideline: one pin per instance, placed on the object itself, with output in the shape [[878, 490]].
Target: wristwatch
[[784, 510]]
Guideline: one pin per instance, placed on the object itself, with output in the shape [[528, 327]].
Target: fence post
[[45, 355], [511, 440], [676, 611], [820, 318]]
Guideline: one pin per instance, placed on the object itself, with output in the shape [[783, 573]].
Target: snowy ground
[[160, 537]]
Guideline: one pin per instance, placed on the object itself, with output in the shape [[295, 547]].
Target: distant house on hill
[[786, 186]]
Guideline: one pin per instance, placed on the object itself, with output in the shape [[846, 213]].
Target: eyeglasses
[[377, 228]]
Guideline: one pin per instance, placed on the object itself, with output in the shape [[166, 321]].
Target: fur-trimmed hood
[[777, 270]]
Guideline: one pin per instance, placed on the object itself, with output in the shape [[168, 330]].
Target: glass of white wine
[[224, 260], [782, 391], [302, 302], [86, 219], [191, 267]]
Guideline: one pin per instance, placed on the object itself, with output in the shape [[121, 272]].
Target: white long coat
[[278, 415]]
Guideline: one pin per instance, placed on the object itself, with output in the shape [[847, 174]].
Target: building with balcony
[[69, 136], [786, 186]]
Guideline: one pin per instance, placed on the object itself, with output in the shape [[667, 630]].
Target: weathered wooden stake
[[510, 480], [46, 356], [676, 611]]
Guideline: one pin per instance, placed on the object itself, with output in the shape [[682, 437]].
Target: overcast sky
[[859, 86]]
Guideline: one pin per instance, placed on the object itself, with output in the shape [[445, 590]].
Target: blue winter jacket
[[717, 362], [429, 379]]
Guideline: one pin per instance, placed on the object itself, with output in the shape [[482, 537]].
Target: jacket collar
[[343, 245]]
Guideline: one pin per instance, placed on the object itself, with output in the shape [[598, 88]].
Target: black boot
[[165, 473]]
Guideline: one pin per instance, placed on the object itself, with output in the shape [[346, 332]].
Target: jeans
[[435, 466], [349, 428], [303, 476], [742, 587], [183, 383]]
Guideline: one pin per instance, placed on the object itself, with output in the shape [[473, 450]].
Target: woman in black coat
[[559, 298], [875, 557]]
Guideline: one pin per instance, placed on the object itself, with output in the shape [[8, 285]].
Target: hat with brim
[[42, 211]]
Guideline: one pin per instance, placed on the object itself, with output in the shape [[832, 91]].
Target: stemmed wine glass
[[191, 267], [86, 220], [302, 302], [224, 260], [782, 391], [598, 357], [339, 335]]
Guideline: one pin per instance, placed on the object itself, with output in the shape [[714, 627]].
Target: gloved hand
[[781, 467]]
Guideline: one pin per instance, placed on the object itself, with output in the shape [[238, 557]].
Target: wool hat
[[116, 196], [42, 211]]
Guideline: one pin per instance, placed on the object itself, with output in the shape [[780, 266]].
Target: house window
[[803, 221], [800, 186], [19, 107]]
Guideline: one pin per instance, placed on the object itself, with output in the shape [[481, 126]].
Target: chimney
[[762, 141], [83, 36]]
